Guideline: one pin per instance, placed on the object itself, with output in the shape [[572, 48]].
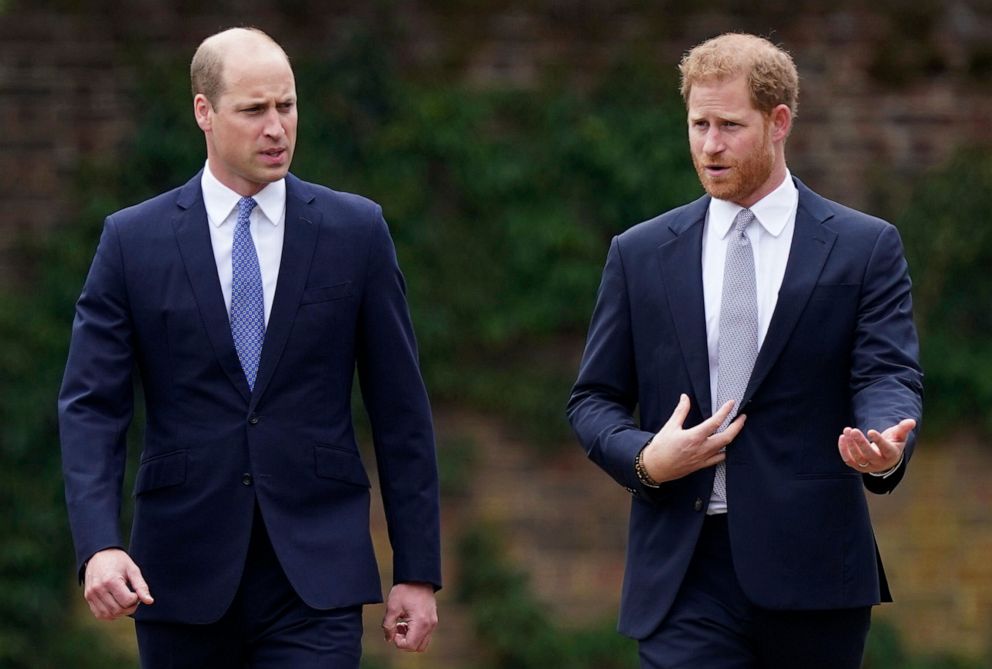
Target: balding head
[[770, 73], [207, 69]]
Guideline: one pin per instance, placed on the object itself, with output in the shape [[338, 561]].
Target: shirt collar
[[220, 201], [772, 211]]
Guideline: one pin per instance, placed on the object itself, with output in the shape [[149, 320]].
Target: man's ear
[[202, 110], [781, 118]]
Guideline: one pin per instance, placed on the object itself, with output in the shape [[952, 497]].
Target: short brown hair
[[206, 71], [771, 73]]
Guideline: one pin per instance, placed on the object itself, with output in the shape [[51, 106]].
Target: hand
[[411, 616], [879, 451], [113, 585], [675, 452]]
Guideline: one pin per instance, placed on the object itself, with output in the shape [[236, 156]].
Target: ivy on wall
[[501, 204]]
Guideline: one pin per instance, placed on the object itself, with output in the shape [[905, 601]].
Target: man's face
[[251, 132], [731, 142]]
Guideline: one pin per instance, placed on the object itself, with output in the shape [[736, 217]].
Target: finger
[[844, 447], [122, 594], [889, 450], [129, 610], [849, 451], [109, 608], [413, 639], [734, 429], [389, 624], [677, 419], [714, 459], [139, 585], [899, 432], [713, 423], [861, 449], [424, 643], [97, 607]]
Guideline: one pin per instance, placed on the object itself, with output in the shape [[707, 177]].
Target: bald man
[[245, 300]]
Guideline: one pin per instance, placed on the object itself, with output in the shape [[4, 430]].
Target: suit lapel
[[811, 245], [299, 242], [682, 271], [196, 249]]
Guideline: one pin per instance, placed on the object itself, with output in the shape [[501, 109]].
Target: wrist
[[641, 470], [888, 472]]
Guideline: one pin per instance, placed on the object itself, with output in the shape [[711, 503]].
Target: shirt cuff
[[888, 472]]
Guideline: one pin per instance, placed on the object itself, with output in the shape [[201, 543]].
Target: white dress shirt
[[771, 240], [267, 231]]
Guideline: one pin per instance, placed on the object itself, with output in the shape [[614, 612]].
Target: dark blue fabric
[[213, 450], [267, 627], [841, 350], [712, 625]]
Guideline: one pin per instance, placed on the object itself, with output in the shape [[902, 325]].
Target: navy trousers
[[267, 627], [712, 624]]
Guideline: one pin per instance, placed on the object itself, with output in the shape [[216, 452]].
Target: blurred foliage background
[[501, 204]]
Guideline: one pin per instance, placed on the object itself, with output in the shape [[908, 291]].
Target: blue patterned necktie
[[247, 302], [738, 347]]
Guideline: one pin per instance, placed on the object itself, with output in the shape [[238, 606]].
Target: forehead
[[730, 96], [259, 72]]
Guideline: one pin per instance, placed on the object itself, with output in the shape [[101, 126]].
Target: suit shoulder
[[655, 230], [349, 206], [848, 220], [140, 212]]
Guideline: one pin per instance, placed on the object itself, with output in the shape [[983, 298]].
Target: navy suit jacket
[[841, 350], [152, 302]]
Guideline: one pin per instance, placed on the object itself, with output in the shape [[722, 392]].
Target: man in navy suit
[[765, 336], [245, 300]]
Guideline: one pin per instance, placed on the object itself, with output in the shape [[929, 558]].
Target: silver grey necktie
[[738, 346]]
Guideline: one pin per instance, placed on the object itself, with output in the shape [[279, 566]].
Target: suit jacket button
[[246, 479], [698, 504], [253, 419]]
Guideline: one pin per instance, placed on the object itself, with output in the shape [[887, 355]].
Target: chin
[[723, 191]]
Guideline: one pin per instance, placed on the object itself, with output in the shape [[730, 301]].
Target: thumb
[[905, 427], [389, 622], [138, 584]]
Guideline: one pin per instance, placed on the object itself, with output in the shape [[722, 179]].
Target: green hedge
[[945, 228], [502, 204]]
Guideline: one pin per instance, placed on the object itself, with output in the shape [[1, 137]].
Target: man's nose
[[273, 124], [713, 143]]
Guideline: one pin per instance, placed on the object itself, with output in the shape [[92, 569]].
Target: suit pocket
[[326, 294], [161, 471], [341, 464]]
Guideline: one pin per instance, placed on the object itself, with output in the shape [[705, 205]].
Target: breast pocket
[[326, 293]]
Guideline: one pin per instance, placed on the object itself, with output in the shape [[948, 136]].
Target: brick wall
[[566, 523], [884, 96]]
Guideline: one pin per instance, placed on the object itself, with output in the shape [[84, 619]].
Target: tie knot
[[742, 220], [245, 206]]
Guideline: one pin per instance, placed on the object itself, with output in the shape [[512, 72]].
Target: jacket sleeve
[[604, 397], [96, 402], [886, 379], [399, 411]]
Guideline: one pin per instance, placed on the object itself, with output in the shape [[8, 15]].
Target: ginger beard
[[744, 176]]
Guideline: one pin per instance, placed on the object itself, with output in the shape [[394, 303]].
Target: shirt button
[[246, 479], [698, 504], [253, 419]]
